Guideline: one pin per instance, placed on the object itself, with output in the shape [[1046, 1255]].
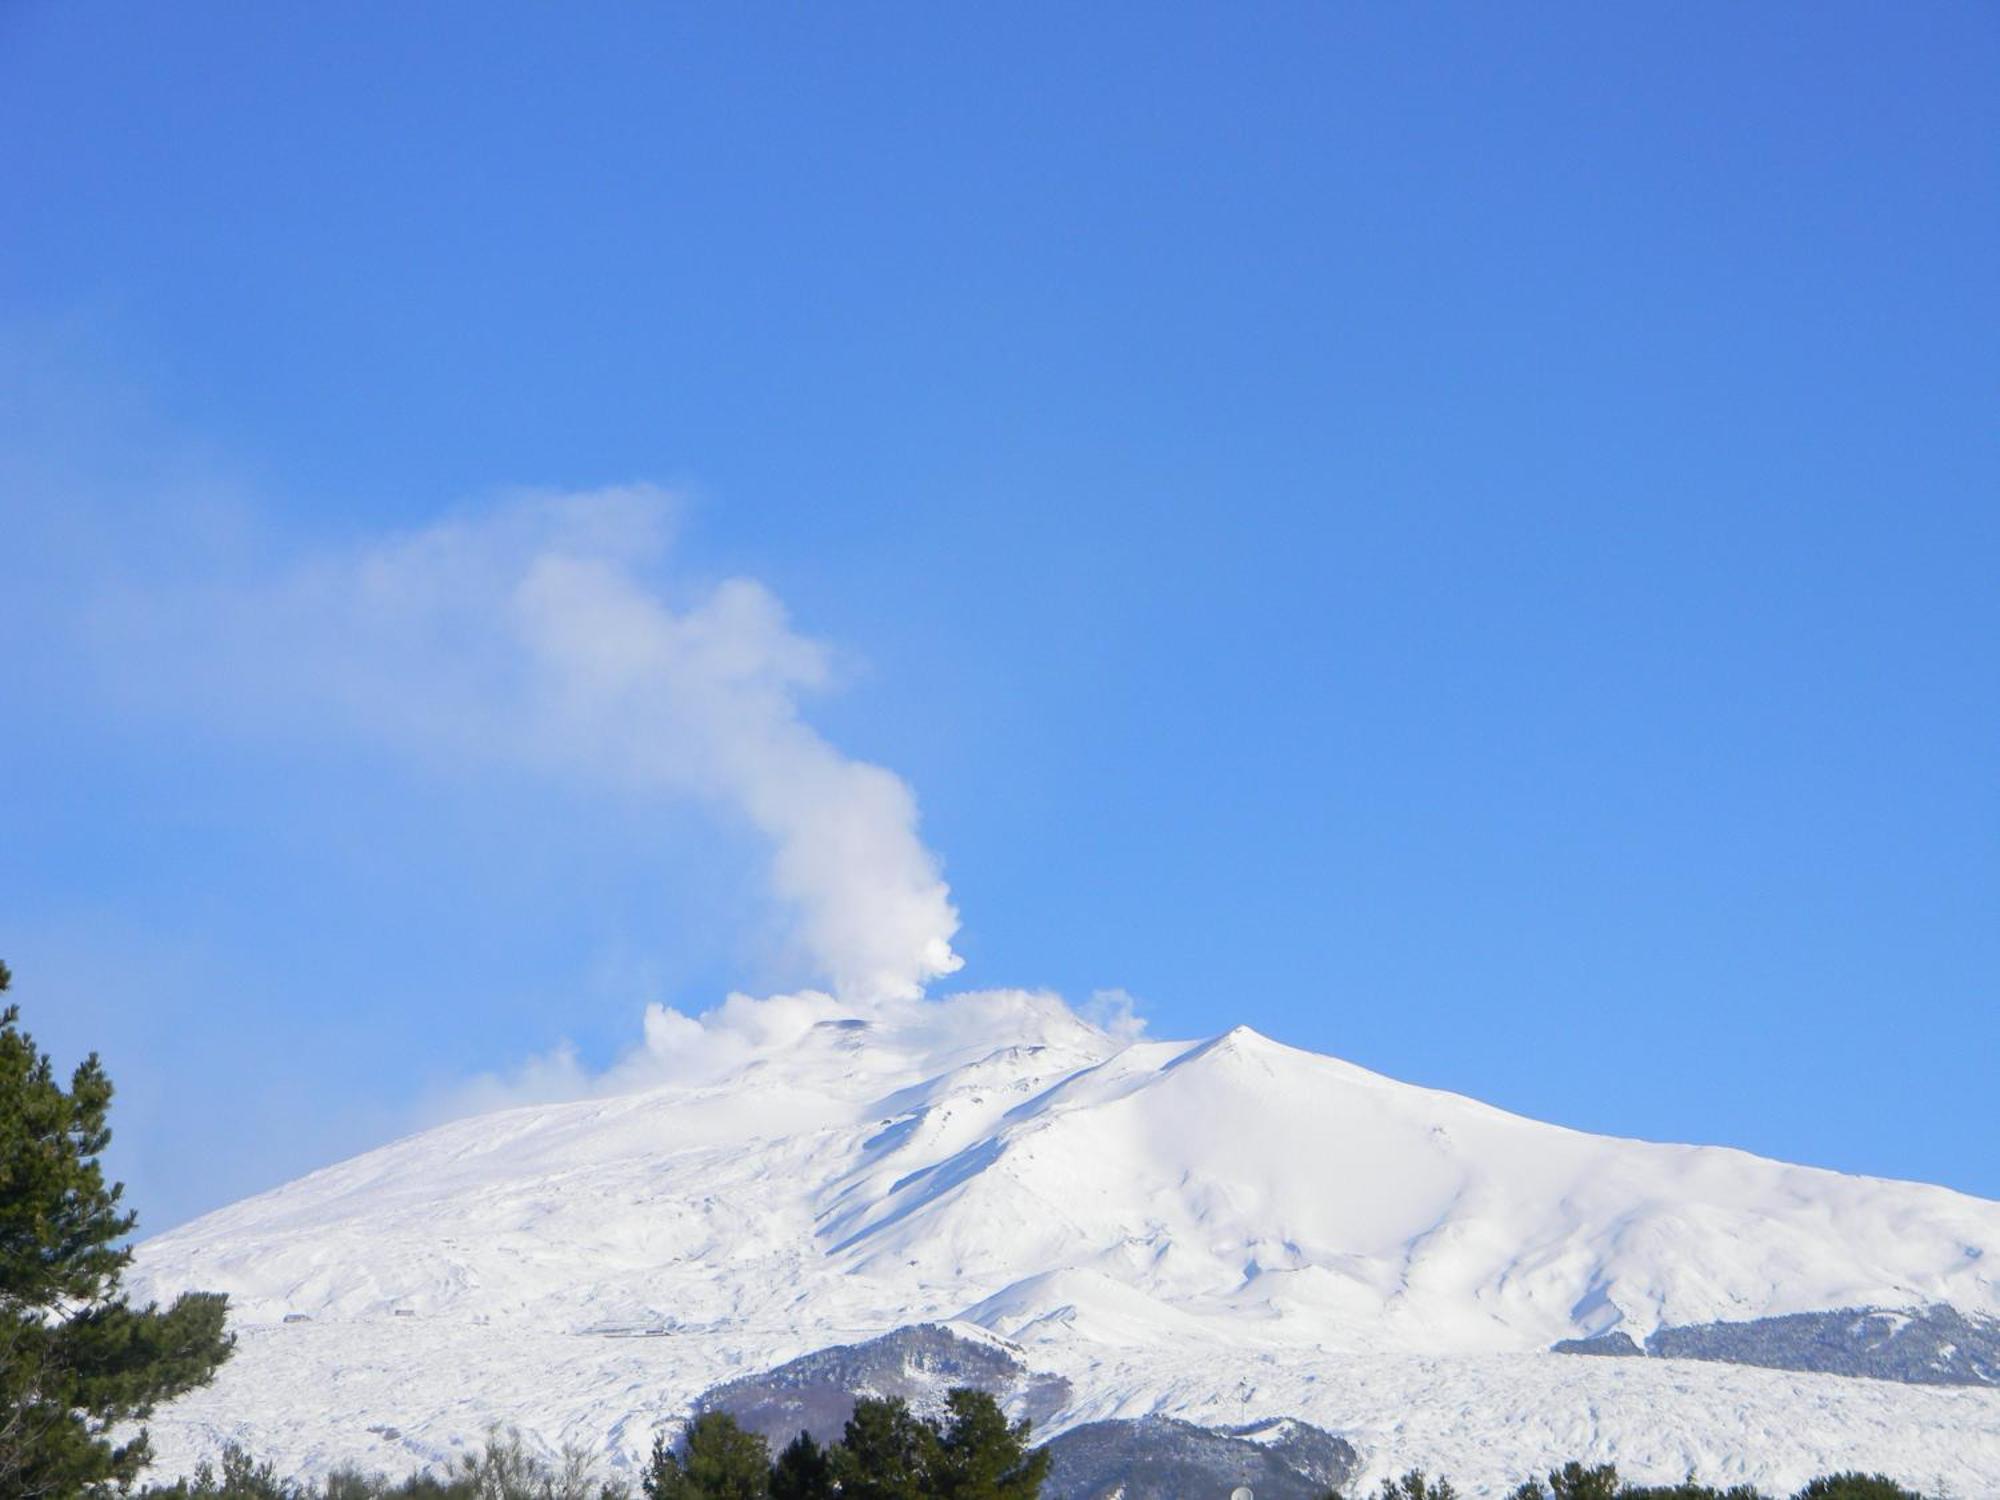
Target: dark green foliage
[[349, 1485], [884, 1452], [1414, 1486], [501, 1470], [889, 1453], [76, 1360], [1856, 1487], [240, 1478], [803, 1471], [1574, 1482], [717, 1460], [973, 1455], [352, 1484], [979, 1456]]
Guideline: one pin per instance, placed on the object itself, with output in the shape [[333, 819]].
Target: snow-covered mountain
[[1226, 1230]]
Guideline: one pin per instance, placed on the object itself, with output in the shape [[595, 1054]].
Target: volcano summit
[[1225, 1233]]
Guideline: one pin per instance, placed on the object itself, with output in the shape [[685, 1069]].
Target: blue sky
[[1462, 538]]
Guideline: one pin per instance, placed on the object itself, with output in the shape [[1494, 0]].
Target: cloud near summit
[[923, 1037], [535, 631]]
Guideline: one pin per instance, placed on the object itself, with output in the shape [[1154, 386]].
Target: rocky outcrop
[[1159, 1458], [816, 1392], [1926, 1346]]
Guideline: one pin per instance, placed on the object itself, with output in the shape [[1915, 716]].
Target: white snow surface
[[1223, 1230]]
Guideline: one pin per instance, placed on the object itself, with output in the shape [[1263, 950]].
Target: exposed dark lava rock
[[1929, 1346], [1159, 1458]]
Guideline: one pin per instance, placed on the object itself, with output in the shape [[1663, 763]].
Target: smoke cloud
[[535, 632], [923, 1036]]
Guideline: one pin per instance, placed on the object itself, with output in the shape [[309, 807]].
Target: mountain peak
[[994, 1159]]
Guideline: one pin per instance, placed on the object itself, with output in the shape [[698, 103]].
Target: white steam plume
[[906, 1039], [531, 632]]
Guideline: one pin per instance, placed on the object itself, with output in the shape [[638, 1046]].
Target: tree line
[[81, 1369], [886, 1453]]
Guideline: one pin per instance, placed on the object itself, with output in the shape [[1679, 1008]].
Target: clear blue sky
[[1464, 537]]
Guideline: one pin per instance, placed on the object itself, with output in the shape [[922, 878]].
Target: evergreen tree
[[1574, 1482], [717, 1460], [803, 1471], [76, 1360], [1856, 1487], [1413, 1486], [980, 1457], [884, 1453], [241, 1478]]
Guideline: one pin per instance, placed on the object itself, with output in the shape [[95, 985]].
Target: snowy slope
[[1223, 1230]]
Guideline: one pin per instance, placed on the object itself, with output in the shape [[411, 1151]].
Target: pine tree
[[803, 1471], [1574, 1482], [717, 1460], [1852, 1486], [884, 1453], [76, 1359], [1413, 1486], [980, 1457]]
